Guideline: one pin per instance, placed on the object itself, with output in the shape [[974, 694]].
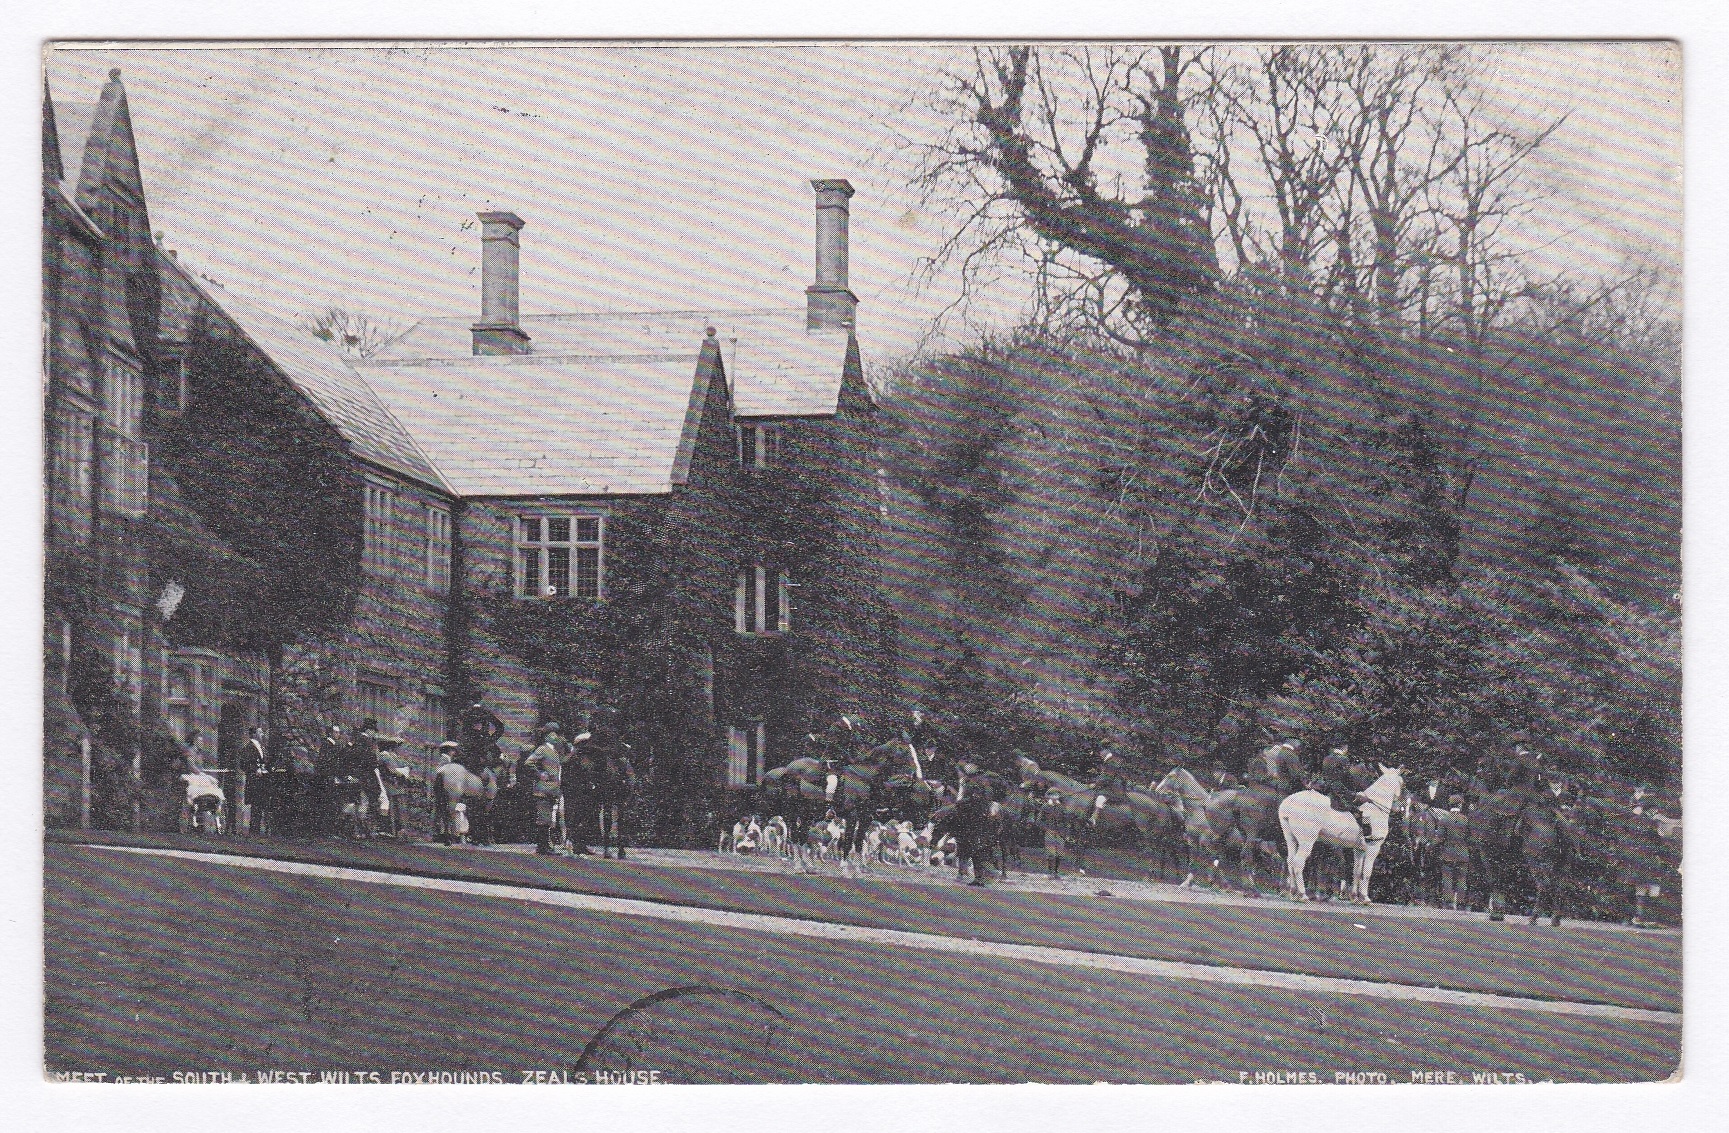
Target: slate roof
[[323, 374], [776, 367], [72, 122], [516, 426]]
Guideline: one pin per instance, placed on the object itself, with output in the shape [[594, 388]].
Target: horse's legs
[[1296, 857]]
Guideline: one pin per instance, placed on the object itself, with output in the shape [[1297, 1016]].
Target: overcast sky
[[677, 177]]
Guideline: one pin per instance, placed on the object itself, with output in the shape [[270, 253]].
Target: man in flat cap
[[544, 767]]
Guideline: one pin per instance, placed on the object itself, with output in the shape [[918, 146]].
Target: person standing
[[324, 797], [1640, 854], [258, 786], [975, 799], [544, 767], [1051, 819], [1453, 829]]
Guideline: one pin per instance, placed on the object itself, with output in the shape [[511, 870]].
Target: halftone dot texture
[[666, 178], [261, 971]]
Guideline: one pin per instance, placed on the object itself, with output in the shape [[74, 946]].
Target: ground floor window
[[129, 660], [377, 702], [747, 749]]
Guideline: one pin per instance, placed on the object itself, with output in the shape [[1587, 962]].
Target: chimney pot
[[499, 330], [830, 304]]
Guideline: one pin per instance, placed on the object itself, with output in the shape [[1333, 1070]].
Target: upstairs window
[[762, 601], [171, 386], [758, 446], [438, 549], [377, 696], [558, 556], [380, 502], [125, 473], [123, 398]]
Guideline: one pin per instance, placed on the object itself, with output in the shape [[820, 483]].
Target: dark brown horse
[[1547, 848], [602, 782], [1499, 822], [851, 785], [1147, 821], [1251, 822]]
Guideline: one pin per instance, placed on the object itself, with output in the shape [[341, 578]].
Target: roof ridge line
[[690, 311], [186, 272], [522, 359]]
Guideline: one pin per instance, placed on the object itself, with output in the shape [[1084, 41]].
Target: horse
[[451, 785], [1548, 847], [1249, 818], [1197, 808], [914, 800], [1498, 824], [1146, 819], [605, 782], [861, 788], [1308, 816]]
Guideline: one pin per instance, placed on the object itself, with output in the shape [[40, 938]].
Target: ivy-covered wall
[[662, 647]]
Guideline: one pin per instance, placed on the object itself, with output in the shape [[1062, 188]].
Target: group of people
[[557, 780], [1626, 846], [356, 784]]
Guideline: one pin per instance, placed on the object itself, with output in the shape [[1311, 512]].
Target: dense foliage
[[1259, 528]]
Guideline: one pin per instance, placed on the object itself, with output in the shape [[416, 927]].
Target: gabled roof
[[519, 426], [324, 374], [57, 145], [72, 122], [775, 366]]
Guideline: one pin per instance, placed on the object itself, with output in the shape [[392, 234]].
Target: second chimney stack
[[830, 304], [499, 330]]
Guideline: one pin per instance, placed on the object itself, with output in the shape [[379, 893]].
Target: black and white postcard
[[890, 563]]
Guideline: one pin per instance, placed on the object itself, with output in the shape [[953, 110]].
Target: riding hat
[[549, 727], [449, 745]]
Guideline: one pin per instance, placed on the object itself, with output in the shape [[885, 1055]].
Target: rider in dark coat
[[836, 748], [477, 731], [1336, 783], [1109, 784]]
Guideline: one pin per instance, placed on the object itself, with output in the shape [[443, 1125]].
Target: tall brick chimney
[[830, 305], [498, 331]]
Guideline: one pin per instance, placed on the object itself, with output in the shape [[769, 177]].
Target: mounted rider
[[835, 748], [1337, 784], [477, 732], [544, 767], [1110, 787]]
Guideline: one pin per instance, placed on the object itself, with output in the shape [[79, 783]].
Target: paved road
[[157, 965]]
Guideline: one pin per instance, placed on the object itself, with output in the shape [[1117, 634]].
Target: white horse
[[1308, 817]]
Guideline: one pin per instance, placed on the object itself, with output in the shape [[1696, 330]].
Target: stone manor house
[[675, 513]]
